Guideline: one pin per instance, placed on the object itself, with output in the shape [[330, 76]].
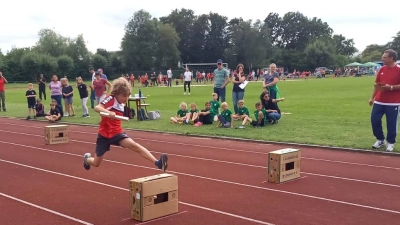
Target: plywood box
[[153, 197], [284, 165], [56, 134]]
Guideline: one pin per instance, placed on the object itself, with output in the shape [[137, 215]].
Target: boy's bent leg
[[127, 142], [102, 146]]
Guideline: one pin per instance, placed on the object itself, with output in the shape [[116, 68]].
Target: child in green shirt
[[226, 117], [261, 117], [243, 111], [215, 106], [193, 115], [180, 116], [206, 116]]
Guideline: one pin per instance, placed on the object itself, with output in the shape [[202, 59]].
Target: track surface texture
[[220, 181]]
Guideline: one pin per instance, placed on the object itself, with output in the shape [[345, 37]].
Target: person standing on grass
[[385, 100], [92, 92], [221, 79], [237, 92], [271, 79], [169, 74], [3, 81], [42, 87], [55, 87], [188, 79], [83, 94]]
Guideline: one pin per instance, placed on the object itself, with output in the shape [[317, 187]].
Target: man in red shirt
[[385, 100], [3, 80]]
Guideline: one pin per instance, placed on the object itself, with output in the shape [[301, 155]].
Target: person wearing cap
[[221, 79]]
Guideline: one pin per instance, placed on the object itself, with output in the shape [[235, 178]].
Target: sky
[[102, 22]]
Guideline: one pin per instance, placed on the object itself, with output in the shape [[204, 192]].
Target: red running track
[[219, 181]]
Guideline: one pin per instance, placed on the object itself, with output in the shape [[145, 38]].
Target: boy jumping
[[110, 130]]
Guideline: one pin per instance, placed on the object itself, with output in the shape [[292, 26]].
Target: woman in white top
[[188, 79]]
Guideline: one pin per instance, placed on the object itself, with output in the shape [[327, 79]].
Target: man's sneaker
[[162, 164], [86, 165], [378, 144], [390, 147]]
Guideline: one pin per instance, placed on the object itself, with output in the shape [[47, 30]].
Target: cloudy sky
[[102, 22]]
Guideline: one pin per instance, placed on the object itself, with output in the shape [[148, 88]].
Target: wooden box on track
[[56, 134], [153, 196], [283, 165]]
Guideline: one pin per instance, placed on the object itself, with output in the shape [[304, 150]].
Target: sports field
[[330, 111]]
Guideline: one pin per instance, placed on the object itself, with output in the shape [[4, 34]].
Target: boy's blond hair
[[30, 84], [120, 86], [192, 104], [240, 102], [215, 94], [224, 104], [183, 104]]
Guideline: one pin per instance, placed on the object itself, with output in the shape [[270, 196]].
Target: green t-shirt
[[227, 115], [264, 113], [215, 106], [182, 113], [194, 111], [243, 111], [220, 77]]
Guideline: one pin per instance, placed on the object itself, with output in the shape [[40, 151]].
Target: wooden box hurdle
[[284, 165], [153, 197], [56, 134]]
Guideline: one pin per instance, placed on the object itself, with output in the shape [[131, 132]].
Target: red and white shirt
[[390, 76], [111, 127]]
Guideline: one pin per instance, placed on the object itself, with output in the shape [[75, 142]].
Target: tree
[[182, 20], [167, 46], [65, 64], [320, 53], [343, 46], [31, 63], [140, 41]]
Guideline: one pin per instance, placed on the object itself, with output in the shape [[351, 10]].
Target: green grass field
[[331, 111]]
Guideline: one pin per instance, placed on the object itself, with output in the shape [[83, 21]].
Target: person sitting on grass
[[31, 98], [53, 101], [206, 116], [180, 116], [55, 114], [192, 116], [271, 106], [39, 107], [226, 117], [261, 117], [243, 111]]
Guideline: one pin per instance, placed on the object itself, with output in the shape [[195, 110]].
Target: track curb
[[238, 139]]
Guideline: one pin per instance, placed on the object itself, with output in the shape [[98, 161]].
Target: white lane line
[[45, 209], [125, 189], [228, 149], [221, 181], [240, 164]]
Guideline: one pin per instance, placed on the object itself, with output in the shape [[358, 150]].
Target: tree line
[[292, 41]]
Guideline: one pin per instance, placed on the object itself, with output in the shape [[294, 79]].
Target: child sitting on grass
[[243, 111], [206, 116], [215, 106], [54, 114], [31, 98], [39, 108], [226, 117], [261, 117], [192, 116], [180, 116]]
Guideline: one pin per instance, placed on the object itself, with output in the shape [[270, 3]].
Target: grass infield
[[331, 111]]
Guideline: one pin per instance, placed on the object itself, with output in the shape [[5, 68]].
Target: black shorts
[[255, 123], [31, 105], [103, 144]]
